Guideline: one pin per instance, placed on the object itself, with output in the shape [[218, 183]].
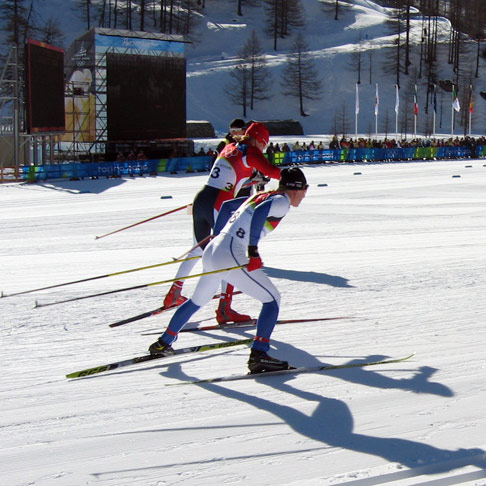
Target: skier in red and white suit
[[233, 167]]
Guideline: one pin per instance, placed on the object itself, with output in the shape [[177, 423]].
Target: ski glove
[[255, 262]]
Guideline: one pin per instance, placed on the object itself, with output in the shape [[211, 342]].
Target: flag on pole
[[397, 99], [415, 104], [357, 100], [455, 100], [471, 105], [377, 100], [435, 98]]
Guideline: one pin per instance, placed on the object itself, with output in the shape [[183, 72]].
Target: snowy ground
[[399, 247]]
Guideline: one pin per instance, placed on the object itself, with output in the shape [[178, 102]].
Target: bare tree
[[178, 16], [370, 63], [128, 15], [84, 11], [143, 7], [240, 3], [115, 14], [299, 77], [356, 59], [392, 57], [282, 17], [238, 87], [260, 79], [407, 36], [341, 121], [250, 78], [51, 32], [103, 16], [14, 17]]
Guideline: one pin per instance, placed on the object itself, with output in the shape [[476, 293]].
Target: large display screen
[[44, 80], [146, 97]]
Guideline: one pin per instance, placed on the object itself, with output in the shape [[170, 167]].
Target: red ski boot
[[174, 297], [225, 313]]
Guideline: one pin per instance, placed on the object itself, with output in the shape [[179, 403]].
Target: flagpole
[[356, 111], [470, 108], [452, 111], [415, 113], [435, 108], [397, 104], [376, 110]]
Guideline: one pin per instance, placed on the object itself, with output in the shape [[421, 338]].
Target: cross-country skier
[[237, 244], [234, 165], [237, 128]]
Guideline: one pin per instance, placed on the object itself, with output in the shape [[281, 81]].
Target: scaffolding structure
[[17, 147], [85, 99], [10, 87], [87, 82]]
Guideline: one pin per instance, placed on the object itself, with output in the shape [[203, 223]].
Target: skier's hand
[[255, 262]]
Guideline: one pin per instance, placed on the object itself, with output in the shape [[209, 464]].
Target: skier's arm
[[258, 220], [257, 160]]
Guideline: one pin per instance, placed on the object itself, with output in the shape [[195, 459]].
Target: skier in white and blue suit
[[240, 226]]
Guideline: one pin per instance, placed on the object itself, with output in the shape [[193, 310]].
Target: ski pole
[[140, 222], [195, 246], [140, 286], [178, 260]]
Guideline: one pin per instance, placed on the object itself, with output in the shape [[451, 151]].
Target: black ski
[[151, 313], [148, 357], [294, 371], [143, 315]]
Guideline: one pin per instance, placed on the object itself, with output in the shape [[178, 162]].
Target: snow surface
[[399, 248]]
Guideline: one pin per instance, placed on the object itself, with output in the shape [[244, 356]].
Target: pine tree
[[299, 77]]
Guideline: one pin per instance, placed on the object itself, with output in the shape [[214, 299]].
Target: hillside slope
[[222, 33]]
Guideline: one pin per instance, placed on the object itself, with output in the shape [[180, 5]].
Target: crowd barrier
[[95, 170], [377, 154]]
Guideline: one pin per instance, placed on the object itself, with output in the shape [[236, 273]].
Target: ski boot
[[260, 362], [225, 314], [174, 297], [161, 349]]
